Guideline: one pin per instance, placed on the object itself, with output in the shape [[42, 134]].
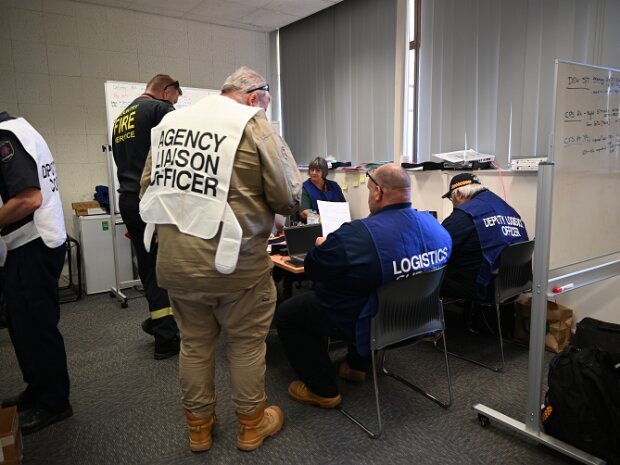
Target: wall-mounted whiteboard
[[119, 94], [586, 151]]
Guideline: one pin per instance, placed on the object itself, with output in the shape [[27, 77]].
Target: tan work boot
[[258, 426], [200, 438], [300, 392], [351, 374]]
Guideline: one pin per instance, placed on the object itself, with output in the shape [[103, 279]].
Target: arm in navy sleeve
[[327, 261], [348, 253], [20, 181], [19, 170]]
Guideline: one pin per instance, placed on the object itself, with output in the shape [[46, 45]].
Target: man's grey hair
[[468, 190], [242, 80]]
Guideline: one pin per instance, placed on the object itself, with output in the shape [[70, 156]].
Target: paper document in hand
[[333, 215], [464, 156]]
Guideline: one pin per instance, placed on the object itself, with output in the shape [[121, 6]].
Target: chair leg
[[370, 433], [446, 405], [418, 389], [497, 369], [501, 338]]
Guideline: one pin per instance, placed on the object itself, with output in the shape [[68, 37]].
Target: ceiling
[[256, 15]]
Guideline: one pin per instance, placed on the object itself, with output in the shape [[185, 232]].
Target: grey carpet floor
[[127, 405]]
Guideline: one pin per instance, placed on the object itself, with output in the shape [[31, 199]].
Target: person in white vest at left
[[217, 174], [32, 255]]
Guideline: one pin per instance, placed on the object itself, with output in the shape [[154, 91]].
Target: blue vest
[[498, 225], [407, 242], [333, 194]]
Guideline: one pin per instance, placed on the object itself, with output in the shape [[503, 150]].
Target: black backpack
[[582, 405]]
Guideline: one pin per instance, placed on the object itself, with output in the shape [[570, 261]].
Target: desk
[[290, 273]]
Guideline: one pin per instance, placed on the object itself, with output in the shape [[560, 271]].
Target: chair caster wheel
[[124, 304], [483, 420]]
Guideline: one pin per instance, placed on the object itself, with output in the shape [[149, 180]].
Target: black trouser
[[164, 327], [30, 284], [303, 327], [460, 285]]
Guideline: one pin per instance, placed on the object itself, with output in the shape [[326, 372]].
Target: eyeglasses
[[176, 85], [369, 176], [264, 87]]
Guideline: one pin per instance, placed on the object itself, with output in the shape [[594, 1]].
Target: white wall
[[600, 300], [55, 56], [427, 187]]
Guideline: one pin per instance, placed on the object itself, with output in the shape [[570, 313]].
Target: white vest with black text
[[48, 220], [193, 151]]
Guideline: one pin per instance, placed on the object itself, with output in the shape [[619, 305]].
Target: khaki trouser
[[246, 317]]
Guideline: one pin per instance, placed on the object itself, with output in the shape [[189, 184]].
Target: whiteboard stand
[[532, 427], [582, 140], [541, 285], [115, 291]]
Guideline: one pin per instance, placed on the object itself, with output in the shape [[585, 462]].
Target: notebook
[[299, 240]]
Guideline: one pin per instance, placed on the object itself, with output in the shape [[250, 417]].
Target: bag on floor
[[596, 333], [582, 405], [558, 326]]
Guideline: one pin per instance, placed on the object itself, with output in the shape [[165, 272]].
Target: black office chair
[[513, 279], [409, 311]]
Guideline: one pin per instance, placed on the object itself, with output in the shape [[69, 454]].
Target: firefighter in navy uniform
[[32, 252], [131, 143]]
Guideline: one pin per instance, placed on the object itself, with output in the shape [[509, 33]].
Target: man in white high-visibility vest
[[32, 254], [217, 174]]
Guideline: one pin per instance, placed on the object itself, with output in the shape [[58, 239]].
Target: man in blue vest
[[347, 267], [481, 226]]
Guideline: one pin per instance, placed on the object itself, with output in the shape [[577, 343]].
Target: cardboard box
[[11, 452], [558, 328], [89, 207]]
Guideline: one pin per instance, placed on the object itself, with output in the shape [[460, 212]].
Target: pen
[[566, 287]]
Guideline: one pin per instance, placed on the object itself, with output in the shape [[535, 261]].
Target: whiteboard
[[119, 94], [586, 150]]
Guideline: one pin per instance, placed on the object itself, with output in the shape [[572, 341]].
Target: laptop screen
[[300, 239]]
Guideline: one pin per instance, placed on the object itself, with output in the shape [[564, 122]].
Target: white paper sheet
[[333, 214]]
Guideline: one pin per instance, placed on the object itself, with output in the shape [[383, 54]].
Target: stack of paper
[[526, 164]]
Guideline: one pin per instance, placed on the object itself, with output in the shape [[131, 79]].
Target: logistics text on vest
[[187, 160], [509, 224], [408, 266]]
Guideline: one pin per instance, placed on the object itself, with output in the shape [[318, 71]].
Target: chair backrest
[[515, 271], [407, 308]]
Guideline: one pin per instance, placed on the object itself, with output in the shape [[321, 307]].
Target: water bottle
[[313, 217]]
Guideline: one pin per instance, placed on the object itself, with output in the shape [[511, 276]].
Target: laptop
[[299, 240]]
